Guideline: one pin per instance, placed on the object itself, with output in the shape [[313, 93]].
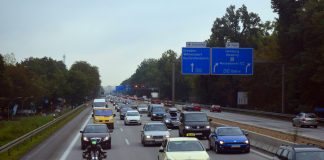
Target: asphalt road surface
[[126, 145]]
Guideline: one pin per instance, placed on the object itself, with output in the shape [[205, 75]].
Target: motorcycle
[[94, 150]]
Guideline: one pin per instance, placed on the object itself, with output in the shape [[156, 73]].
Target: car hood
[[192, 155], [232, 138], [156, 133], [133, 117], [100, 135], [158, 112]]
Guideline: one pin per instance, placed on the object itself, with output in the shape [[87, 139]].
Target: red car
[[192, 107], [215, 108]]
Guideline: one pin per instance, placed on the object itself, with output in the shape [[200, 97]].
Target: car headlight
[[221, 142], [246, 141], [187, 127], [167, 136], [208, 127], [96, 119], [167, 121], [106, 138], [85, 139], [148, 136], [154, 114]]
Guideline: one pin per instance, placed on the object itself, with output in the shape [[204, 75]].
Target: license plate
[[158, 140], [236, 146], [190, 134]]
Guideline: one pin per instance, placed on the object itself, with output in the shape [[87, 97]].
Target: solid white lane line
[[127, 142], [69, 149], [261, 154], [121, 129]]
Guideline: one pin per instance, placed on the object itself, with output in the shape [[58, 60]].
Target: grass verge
[[20, 150]]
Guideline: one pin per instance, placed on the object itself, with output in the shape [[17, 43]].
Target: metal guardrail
[[32, 133]]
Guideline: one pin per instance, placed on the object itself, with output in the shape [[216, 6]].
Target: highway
[[65, 144], [274, 124]]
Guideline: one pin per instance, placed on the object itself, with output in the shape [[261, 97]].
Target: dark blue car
[[229, 139]]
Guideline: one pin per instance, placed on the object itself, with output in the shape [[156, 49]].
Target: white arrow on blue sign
[[195, 61], [232, 61]]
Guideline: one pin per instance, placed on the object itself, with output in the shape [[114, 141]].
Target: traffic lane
[[280, 125], [126, 145]]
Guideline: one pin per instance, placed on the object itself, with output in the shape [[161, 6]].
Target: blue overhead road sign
[[195, 61], [232, 61]]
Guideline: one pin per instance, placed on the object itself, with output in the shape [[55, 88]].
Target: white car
[[142, 108], [132, 117], [180, 148]]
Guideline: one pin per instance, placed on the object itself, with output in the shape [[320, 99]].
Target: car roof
[[151, 123], [132, 111], [183, 139], [173, 109]]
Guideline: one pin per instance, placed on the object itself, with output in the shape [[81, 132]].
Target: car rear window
[[229, 132], [158, 109], [319, 155], [99, 104]]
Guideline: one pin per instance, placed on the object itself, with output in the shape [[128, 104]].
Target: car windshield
[[193, 117], [155, 127], [103, 112], [173, 114], [96, 129], [310, 115], [142, 106], [99, 104], [229, 132], [319, 155], [158, 109], [132, 114], [179, 146], [125, 109]]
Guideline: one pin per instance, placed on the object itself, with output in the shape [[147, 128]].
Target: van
[[101, 103], [103, 116], [150, 107], [194, 124]]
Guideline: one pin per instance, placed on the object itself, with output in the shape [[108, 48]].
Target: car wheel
[[180, 135], [83, 147], [315, 126], [109, 145], [217, 149], [293, 124], [247, 150]]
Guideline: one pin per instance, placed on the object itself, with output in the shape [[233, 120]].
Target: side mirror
[[114, 115], [210, 120], [161, 149], [81, 131]]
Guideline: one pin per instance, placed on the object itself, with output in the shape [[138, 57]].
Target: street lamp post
[[173, 83]]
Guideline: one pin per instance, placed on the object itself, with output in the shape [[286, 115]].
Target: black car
[[123, 111], [172, 118], [98, 131], [299, 152], [194, 124]]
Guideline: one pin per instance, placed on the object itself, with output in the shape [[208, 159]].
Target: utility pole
[[173, 82], [283, 88]]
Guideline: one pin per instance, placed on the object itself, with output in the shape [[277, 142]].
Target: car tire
[[293, 124], [315, 126], [247, 151], [217, 149], [83, 147], [180, 135], [109, 144]]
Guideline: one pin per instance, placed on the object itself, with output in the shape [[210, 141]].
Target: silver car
[[142, 108], [305, 119], [154, 133]]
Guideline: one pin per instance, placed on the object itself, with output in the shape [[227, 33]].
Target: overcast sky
[[114, 35]]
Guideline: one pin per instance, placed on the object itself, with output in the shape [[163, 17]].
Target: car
[[167, 103], [150, 107], [299, 152], [171, 118], [104, 116], [154, 133], [96, 130], [132, 117], [142, 108], [180, 148], [305, 119], [194, 124], [123, 111], [99, 103], [191, 107], [157, 113], [118, 106], [229, 139], [215, 108]]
